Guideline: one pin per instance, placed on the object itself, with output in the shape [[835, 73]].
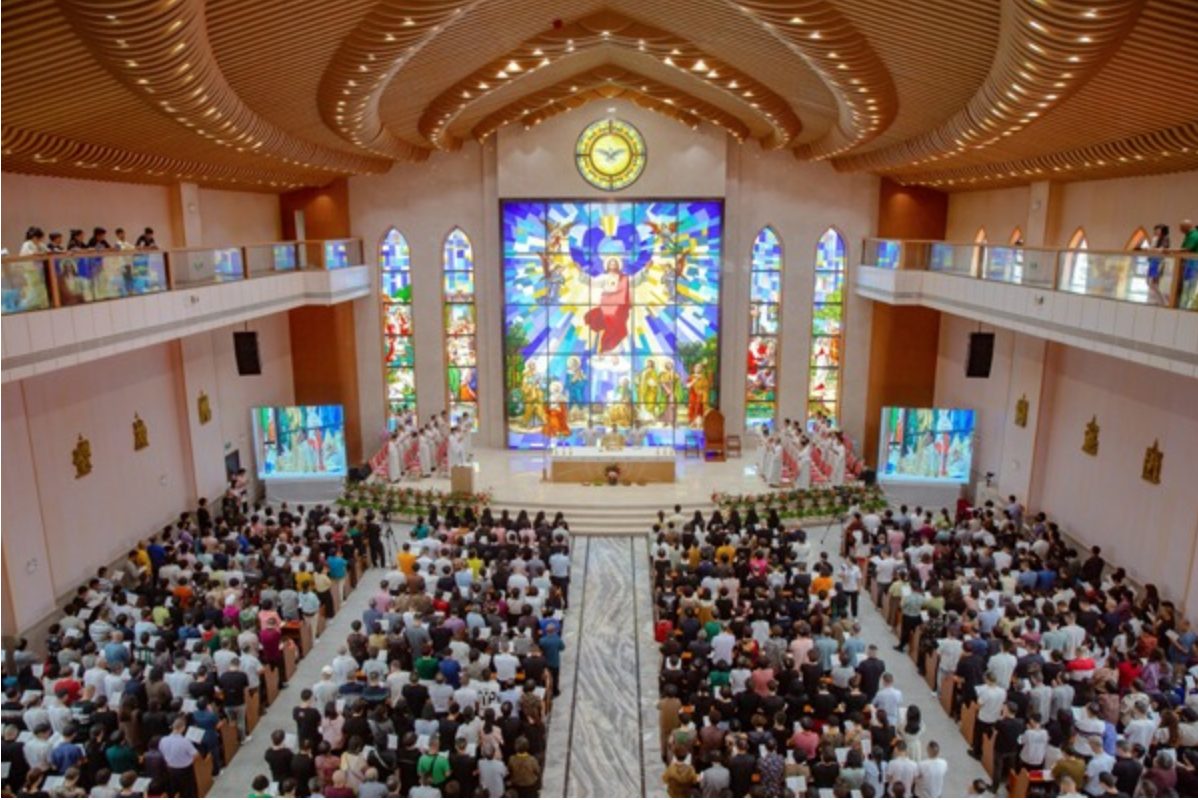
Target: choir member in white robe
[[803, 479], [763, 455], [394, 459], [590, 436], [836, 451], [426, 454], [466, 424], [773, 463], [457, 450]]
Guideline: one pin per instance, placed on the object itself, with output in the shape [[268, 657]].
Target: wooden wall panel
[[904, 340], [324, 365], [326, 211]]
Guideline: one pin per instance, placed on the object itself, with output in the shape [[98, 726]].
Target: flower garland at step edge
[[407, 501], [804, 503]]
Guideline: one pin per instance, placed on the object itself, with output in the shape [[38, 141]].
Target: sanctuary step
[[609, 516]]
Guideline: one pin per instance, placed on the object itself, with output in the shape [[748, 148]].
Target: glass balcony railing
[[263, 259], [1153, 278], [25, 285], [88, 277], [54, 280]]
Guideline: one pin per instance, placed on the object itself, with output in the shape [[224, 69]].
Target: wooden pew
[[228, 740], [931, 667], [270, 685], [290, 659], [1019, 784], [875, 591], [916, 640], [988, 762], [321, 622], [947, 687], [251, 709], [203, 775], [969, 721]]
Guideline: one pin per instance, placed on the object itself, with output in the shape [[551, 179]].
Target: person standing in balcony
[[35, 242], [76, 242], [99, 240], [1156, 266], [146, 240]]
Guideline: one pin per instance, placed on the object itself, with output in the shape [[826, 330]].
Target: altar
[[591, 464]]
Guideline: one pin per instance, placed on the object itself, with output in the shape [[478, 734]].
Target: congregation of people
[[1066, 675], [1072, 681], [147, 678], [444, 685], [37, 241]]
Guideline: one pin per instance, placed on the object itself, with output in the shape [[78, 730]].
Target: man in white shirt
[[991, 699], [505, 665], [723, 644], [930, 780], [344, 665], [1002, 665], [889, 699], [901, 772], [1033, 743], [325, 690]]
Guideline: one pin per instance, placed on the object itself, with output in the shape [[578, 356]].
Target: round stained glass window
[[610, 154]]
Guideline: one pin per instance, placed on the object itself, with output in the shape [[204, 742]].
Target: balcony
[[1136, 304], [61, 309]]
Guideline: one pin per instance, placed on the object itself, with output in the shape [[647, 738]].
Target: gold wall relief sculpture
[[141, 435], [1153, 457], [81, 457], [204, 408], [1021, 409], [1090, 442]]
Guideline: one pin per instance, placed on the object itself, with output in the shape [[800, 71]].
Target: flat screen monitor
[[926, 444], [299, 441]]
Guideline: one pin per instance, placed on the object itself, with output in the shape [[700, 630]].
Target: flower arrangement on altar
[[612, 474], [406, 500], [803, 503]]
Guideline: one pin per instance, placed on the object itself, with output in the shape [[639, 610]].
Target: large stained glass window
[[461, 325], [827, 327], [611, 318], [765, 306], [399, 366]]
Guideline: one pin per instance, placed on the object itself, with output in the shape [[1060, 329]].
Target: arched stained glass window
[[1078, 263], [765, 306], [827, 328], [461, 325], [1139, 240], [399, 366], [979, 240]]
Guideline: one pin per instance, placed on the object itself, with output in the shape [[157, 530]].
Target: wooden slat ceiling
[[273, 94]]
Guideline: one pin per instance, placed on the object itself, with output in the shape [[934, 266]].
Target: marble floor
[[604, 738]]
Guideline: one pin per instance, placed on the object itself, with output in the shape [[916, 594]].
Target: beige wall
[[87, 521], [1109, 210], [1149, 529], [57, 528], [59, 204], [799, 199], [231, 218]]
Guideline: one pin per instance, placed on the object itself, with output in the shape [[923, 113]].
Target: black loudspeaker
[[245, 348], [869, 477], [981, 352]]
